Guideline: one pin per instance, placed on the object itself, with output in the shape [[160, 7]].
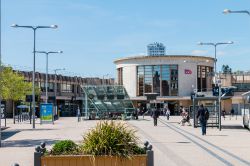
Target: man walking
[[155, 115], [203, 116]]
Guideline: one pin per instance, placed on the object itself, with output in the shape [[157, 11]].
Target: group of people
[[202, 116]]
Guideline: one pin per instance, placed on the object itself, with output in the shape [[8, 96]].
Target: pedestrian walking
[[167, 113], [232, 112], [155, 115], [203, 115], [224, 114]]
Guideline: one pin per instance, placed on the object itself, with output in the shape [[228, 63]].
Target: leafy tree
[[13, 86], [226, 69]]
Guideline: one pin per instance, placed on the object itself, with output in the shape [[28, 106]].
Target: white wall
[[185, 81]]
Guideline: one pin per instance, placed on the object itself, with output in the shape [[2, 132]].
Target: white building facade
[[172, 77]]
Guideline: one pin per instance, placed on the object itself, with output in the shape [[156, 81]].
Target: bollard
[[39, 151], [150, 153], [15, 164], [150, 157]]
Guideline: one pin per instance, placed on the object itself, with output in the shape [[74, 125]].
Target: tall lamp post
[[217, 82], [34, 28], [47, 68], [215, 50]]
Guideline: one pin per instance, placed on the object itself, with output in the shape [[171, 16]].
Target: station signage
[[188, 71]]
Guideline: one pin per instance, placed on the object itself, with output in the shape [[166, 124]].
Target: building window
[[120, 75], [156, 79], [66, 87], [148, 79], [161, 79], [140, 80], [203, 79]]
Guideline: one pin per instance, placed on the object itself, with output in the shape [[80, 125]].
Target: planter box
[[87, 160]]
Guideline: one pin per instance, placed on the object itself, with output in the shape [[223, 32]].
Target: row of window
[[69, 88]]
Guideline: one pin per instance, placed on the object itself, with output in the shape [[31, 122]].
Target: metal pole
[[33, 79], [55, 90], [219, 107], [86, 104], [215, 56], [55, 82], [46, 82]]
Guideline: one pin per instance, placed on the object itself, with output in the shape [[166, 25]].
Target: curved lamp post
[[47, 68], [34, 28]]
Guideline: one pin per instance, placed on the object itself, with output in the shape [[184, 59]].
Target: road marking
[[218, 148]]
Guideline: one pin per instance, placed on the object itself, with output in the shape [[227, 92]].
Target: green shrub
[[64, 147], [110, 138]]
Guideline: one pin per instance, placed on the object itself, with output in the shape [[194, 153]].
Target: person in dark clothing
[[203, 115], [232, 112], [155, 115]]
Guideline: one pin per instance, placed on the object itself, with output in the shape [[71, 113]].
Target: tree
[[13, 86], [226, 69]]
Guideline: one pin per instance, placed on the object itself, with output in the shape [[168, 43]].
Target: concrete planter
[[80, 160]]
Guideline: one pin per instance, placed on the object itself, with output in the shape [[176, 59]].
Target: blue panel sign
[[46, 112]]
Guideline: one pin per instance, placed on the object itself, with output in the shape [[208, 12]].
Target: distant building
[[156, 49], [64, 91]]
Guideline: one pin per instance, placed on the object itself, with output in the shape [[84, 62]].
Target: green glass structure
[[107, 101]]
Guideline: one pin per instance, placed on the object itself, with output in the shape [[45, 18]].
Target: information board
[[46, 113]]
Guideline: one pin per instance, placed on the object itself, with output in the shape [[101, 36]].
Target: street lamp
[[34, 28], [47, 68], [228, 11], [215, 50]]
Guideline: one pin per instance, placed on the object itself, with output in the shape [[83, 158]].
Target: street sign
[[46, 113]]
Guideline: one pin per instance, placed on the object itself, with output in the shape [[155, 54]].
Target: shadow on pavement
[[27, 142], [8, 134], [233, 127], [216, 135], [35, 129]]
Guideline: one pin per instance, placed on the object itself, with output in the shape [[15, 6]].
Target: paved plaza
[[172, 144]]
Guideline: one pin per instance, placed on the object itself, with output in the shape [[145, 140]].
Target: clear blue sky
[[92, 33]]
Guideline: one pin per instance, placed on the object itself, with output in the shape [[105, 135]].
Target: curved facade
[[172, 77]]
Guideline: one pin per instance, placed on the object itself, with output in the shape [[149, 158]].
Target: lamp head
[[226, 11], [230, 42], [60, 52], [14, 25], [200, 43], [54, 26]]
